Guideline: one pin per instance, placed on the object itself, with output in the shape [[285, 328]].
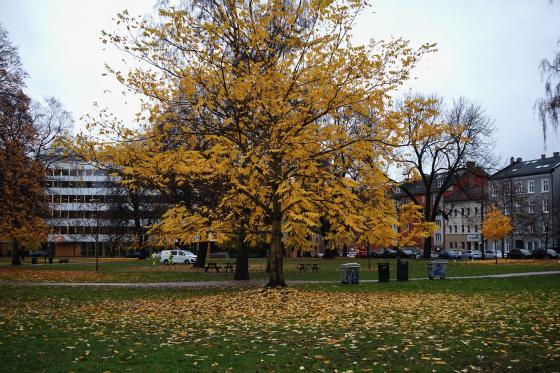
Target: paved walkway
[[235, 284]]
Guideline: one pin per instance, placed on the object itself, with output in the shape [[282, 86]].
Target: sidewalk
[[238, 284]]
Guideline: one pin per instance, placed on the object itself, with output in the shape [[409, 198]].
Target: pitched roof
[[527, 168]]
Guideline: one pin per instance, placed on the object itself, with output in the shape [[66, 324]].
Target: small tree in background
[[496, 225]]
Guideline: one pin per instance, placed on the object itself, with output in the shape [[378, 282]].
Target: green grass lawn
[[422, 326], [83, 270]]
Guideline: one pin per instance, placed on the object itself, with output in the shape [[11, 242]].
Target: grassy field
[[123, 270], [422, 326]]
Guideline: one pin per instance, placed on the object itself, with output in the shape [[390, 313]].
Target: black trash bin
[[402, 270], [383, 272], [34, 260]]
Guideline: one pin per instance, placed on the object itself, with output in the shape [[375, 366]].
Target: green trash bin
[[402, 270], [383, 272]]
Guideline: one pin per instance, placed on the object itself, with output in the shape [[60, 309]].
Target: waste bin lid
[[350, 265]]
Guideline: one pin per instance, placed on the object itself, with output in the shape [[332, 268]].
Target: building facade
[[90, 214], [529, 192]]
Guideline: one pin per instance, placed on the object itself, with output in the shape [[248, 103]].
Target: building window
[[532, 228], [508, 246], [456, 212], [468, 229], [506, 210], [545, 206], [450, 229], [462, 212], [544, 185], [476, 210], [494, 190], [440, 183], [438, 237], [462, 229], [476, 228], [518, 188], [531, 207], [455, 229], [468, 211], [438, 223], [451, 245], [531, 186], [516, 207]]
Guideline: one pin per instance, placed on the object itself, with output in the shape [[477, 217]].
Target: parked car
[[389, 253], [491, 254], [351, 254], [450, 254], [179, 257], [471, 254], [136, 254], [38, 254], [361, 254], [519, 254], [410, 253], [543, 254]]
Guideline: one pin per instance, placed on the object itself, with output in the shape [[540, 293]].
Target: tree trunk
[[276, 276], [200, 257], [242, 266], [15, 253], [428, 247], [345, 250]]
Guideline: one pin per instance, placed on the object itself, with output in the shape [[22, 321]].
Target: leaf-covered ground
[[83, 270], [512, 325]]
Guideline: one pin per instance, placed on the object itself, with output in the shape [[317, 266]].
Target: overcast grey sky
[[489, 52]]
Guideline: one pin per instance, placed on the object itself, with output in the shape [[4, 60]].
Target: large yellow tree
[[256, 94]]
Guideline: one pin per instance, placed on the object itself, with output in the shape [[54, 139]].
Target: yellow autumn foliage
[[271, 104]]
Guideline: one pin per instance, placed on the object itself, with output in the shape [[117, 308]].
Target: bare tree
[[439, 144], [548, 106], [51, 123]]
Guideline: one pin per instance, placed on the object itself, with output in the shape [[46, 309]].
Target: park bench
[[212, 265], [313, 267], [64, 260], [229, 266]]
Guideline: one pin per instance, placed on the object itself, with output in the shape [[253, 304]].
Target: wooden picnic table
[[213, 265], [229, 266], [313, 267]]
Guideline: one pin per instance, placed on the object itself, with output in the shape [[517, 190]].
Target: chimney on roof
[[511, 160], [543, 156], [518, 160], [556, 154]]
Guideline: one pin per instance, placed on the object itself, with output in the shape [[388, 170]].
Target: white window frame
[[440, 183], [544, 185], [530, 186], [545, 206], [531, 207], [494, 190]]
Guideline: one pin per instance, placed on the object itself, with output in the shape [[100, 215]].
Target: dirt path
[[239, 284]]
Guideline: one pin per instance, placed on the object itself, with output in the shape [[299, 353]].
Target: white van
[[179, 257]]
